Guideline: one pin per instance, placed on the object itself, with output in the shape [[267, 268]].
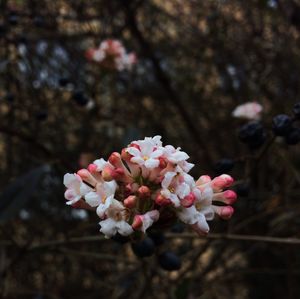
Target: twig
[[255, 238]]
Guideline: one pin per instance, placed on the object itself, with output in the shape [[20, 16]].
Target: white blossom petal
[[93, 199]]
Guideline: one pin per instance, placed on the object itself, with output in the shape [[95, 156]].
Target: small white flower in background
[[145, 184], [111, 54], [250, 110]]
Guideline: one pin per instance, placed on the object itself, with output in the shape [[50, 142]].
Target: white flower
[[76, 188], [115, 222], [175, 155], [104, 190], [192, 216], [250, 110], [101, 163], [147, 155], [173, 189], [148, 219]]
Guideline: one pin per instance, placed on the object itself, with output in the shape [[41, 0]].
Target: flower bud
[[189, 200], [162, 201], [130, 201], [137, 222], [144, 191], [92, 168]]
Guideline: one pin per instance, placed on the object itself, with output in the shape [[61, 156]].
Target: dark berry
[[80, 98], [63, 82], [242, 189], [169, 261], [143, 248], [253, 134], [296, 110], [177, 228], [224, 165], [281, 124], [255, 144], [157, 237], [120, 239], [293, 136]]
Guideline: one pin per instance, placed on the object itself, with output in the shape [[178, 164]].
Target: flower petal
[[108, 227], [93, 199]]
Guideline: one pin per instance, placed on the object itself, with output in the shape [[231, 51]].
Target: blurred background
[[196, 61]]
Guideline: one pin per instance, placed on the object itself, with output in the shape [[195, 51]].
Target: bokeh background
[[197, 60]]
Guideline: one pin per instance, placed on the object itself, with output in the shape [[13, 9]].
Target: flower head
[[145, 184]]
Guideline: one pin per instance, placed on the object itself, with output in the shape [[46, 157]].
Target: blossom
[[148, 183], [146, 155], [111, 54], [115, 222], [76, 188], [249, 110], [103, 191]]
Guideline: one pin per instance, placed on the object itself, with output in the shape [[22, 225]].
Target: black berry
[[63, 82], [253, 134], [169, 261], [293, 136], [157, 237], [281, 124], [120, 239], [143, 248], [296, 110], [80, 98]]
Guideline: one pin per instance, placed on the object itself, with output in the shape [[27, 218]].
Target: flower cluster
[[249, 110], [148, 183], [111, 54]]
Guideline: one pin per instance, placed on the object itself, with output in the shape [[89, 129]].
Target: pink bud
[[226, 212], [189, 200], [162, 201], [69, 194], [128, 188], [107, 173], [117, 173], [203, 180], [114, 159], [125, 155], [144, 191], [89, 54], [137, 222], [230, 195], [130, 202], [221, 182], [84, 174], [92, 168], [162, 162]]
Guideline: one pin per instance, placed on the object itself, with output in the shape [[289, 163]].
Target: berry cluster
[[148, 183], [111, 54], [254, 133]]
